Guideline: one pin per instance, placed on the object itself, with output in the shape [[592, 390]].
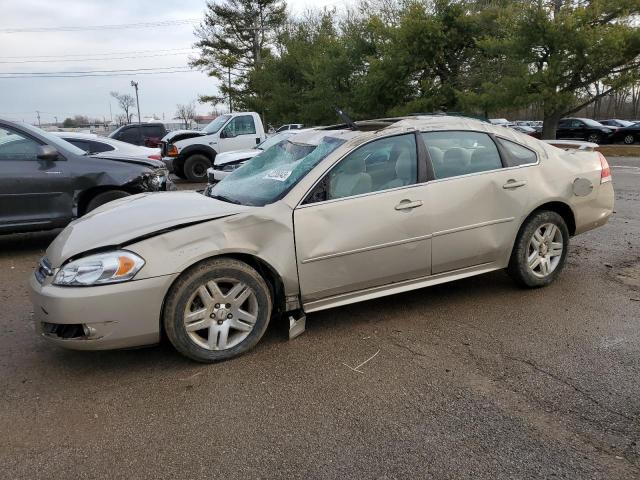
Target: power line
[[123, 26], [94, 54], [99, 74], [92, 71], [91, 59]]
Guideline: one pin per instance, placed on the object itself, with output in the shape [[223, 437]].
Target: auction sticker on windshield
[[278, 174]]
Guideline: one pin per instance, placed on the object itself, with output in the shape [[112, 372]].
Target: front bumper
[[168, 162], [120, 315]]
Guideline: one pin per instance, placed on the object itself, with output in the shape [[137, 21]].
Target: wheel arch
[[561, 208], [268, 273], [85, 196]]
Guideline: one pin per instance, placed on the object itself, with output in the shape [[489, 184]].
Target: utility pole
[[110, 113], [135, 85], [56, 120], [38, 114]]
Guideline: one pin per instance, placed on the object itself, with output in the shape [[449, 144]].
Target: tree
[[186, 113], [560, 53], [233, 38], [126, 102]]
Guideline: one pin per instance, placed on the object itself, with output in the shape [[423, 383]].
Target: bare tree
[[126, 102], [186, 113]]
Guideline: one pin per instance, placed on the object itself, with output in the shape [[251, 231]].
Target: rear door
[[476, 200], [239, 134], [33, 193], [358, 228]]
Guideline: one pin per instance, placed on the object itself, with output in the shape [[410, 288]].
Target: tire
[[105, 197], [195, 168], [594, 138], [525, 251], [178, 171], [629, 139], [215, 310]]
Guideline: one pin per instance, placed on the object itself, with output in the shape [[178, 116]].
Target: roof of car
[[78, 135]]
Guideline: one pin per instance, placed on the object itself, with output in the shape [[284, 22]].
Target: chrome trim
[[471, 227], [366, 249]]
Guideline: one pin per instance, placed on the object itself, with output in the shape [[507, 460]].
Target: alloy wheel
[[593, 138], [545, 250], [220, 314], [628, 139]]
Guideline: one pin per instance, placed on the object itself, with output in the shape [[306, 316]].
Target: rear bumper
[[117, 316], [595, 211]]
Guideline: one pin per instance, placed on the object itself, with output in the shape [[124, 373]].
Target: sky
[[72, 50]]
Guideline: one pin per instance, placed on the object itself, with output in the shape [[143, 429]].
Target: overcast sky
[[165, 46]]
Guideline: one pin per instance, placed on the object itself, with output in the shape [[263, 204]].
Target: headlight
[[233, 166], [112, 267]]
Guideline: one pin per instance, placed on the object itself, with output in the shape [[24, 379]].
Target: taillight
[[155, 157], [605, 172]]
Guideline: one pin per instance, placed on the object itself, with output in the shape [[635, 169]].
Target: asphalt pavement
[[476, 379]]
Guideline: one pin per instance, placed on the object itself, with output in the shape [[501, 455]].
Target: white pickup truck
[[189, 153]]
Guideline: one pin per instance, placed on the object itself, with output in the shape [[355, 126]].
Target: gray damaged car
[[328, 217]]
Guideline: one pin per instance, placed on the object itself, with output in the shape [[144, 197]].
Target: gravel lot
[[475, 379]]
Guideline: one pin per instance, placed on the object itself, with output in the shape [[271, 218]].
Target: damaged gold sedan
[[329, 217]]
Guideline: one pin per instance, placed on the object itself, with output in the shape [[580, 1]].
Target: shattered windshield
[[269, 176]]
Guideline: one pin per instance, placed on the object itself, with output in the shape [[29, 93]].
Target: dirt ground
[[476, 379]]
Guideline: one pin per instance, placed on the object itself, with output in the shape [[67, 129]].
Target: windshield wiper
[[225, 199]]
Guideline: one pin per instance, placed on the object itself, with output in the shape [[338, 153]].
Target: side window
[[15, 146], [79, 143], [242, 125], [99, 147], [518, 155], [154, 131], [380, 165], [576, 124], [461, 153], [129, 135], [563, 123]]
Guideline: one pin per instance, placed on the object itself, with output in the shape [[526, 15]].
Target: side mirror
[[47, 152]]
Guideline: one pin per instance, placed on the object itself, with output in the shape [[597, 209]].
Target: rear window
[[517, 154]]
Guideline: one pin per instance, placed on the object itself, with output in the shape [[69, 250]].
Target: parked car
[[616, 123], [583, 129], [337, 216], [627, 135], [146, 134], [227, 162], [92, 143], [189, 153], [290, 126], [45, 182], [525, 129], [503, 122]]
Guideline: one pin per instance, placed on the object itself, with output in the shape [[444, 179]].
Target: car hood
[[178, 135], [121, 221], [236, 156], [139, 159]]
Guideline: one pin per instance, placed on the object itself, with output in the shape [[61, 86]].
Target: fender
[[201, 148]]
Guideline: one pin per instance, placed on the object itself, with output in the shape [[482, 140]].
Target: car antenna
[[350, 123]]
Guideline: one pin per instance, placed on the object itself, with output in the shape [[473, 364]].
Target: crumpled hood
[[177, 135], [129, 158], [131, 217], [235, 156]]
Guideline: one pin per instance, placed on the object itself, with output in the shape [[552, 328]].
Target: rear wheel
[[195, 168], [629, 139], [540, 251], [217, 310], [105, 197]]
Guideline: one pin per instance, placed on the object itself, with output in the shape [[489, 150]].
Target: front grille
[[43, 270]]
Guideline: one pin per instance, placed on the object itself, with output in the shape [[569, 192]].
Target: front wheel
[[629, 139], [105, 197], [217, 310], [594, 138], [195, 168], [540, 251]]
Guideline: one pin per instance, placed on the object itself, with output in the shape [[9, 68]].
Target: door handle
[[514, 184], [408, 205]]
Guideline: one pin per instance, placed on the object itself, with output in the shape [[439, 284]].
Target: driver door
[[239, 134], [366, 223]]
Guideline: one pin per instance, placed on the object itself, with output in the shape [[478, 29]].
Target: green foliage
[[392, 57]]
